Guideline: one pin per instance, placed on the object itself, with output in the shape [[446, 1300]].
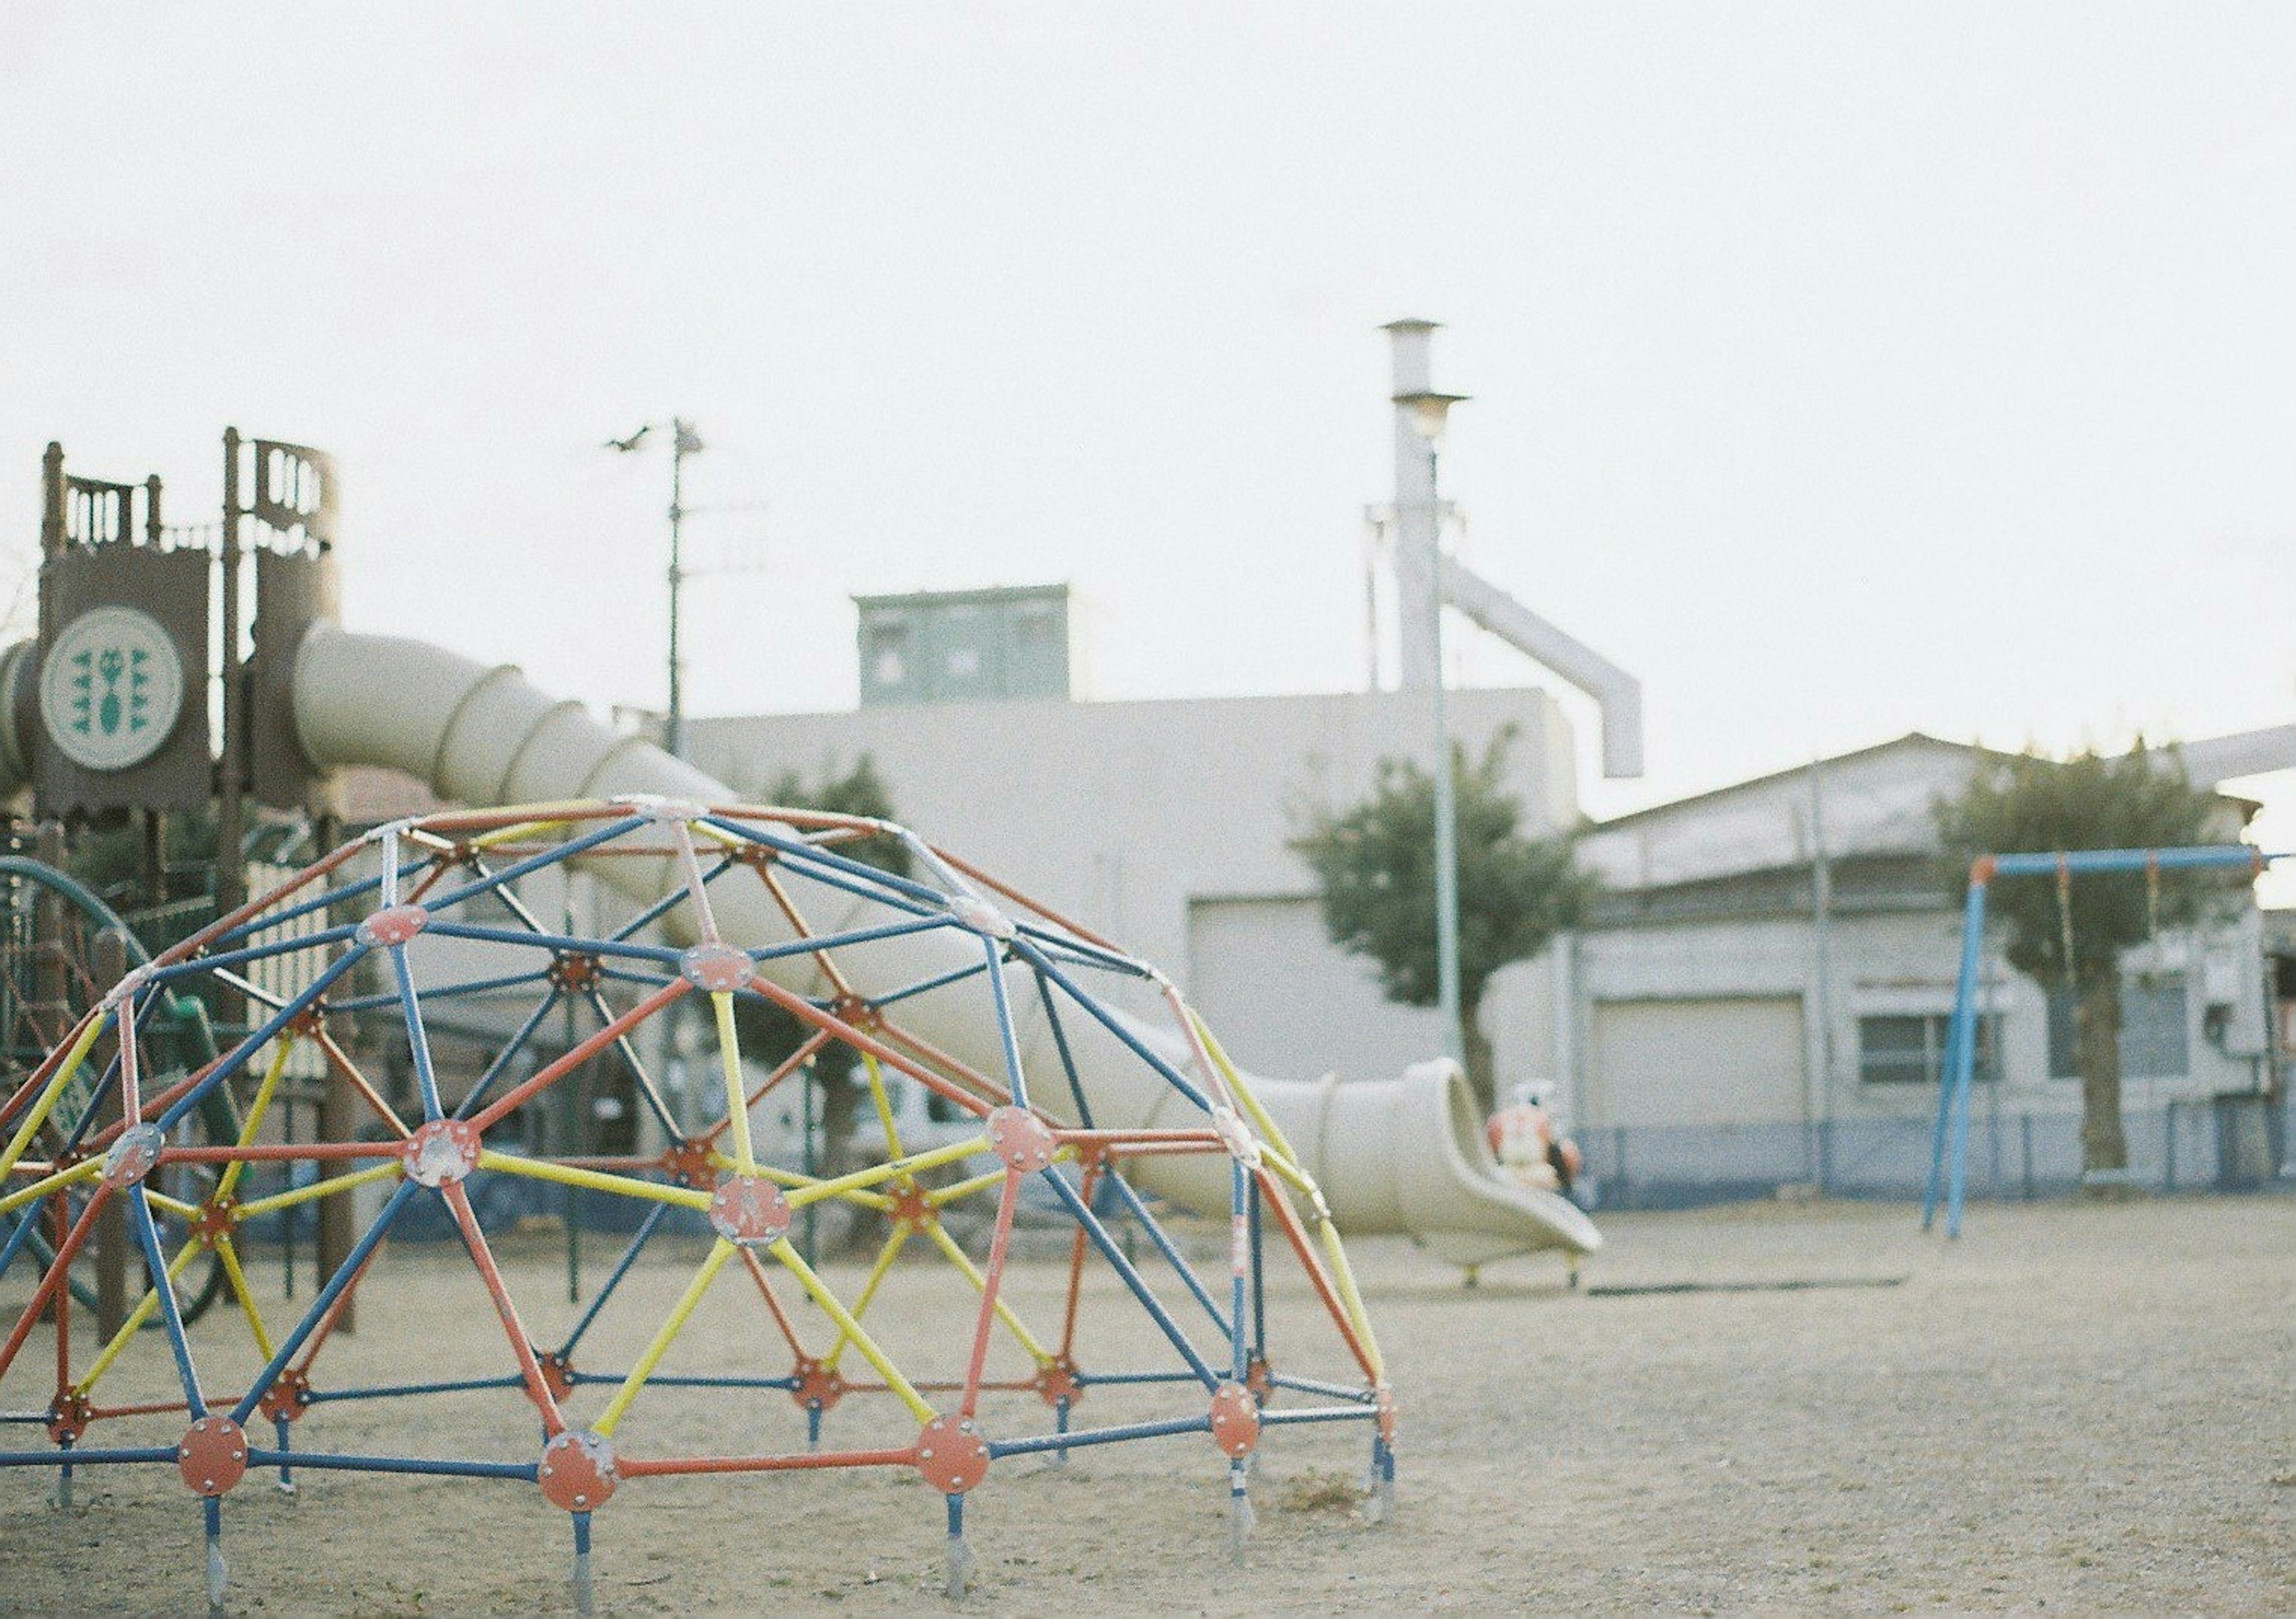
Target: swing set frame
[[1948, 1176]]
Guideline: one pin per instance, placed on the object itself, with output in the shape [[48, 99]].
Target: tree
[[2027, 803], [1375, 863]]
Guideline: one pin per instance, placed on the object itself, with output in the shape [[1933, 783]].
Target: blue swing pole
[[1949, 1141], [1961, 1047]]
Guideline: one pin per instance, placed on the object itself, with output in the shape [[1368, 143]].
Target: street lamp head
[[1430, 412]]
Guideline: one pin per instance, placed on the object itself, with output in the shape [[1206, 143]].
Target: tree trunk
[[2096, 1050], [1481, 1076]]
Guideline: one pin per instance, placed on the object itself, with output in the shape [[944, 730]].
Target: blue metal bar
[[87, 1459], [1099, 1436], [390, 1391], [269, 920], [502, 1061], [193, 965], [232, 1061], [1186, 1272], [856, 936], [1958, 1042], [26, 1219], [1006, 1035], [418, 1038], [2191, 857], [147, 1237], [614, 1280], [1322, 1413], [1133, 1279], [443, 991], [1098, 1377], [1060, 1044], [924, 986], [651, 914], [1082, 952], [261, 1382], [1965, 1071], [262, 1456], [487, 935], [1185, 1086], [534, 862], [1316, 1385], [813, 853]]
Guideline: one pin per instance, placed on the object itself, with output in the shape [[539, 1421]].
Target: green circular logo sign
[[112, 688]]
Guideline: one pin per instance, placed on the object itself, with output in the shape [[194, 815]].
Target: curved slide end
[[1408, 1156]]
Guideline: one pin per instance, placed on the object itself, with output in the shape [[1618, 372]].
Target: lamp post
[[684, 441], [1429, 413]]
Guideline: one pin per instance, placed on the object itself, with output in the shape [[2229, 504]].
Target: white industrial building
[[1165, 825], [1762, 998]]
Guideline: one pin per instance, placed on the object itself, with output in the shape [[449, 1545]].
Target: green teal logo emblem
[[112, 688]]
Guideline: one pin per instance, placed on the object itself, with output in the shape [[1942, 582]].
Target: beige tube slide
[[1401, 1156]]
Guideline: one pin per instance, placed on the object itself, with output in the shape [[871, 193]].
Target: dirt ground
[[2075, 1409]]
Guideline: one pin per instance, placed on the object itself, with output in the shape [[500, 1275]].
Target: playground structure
[[1949, 1175], [1084, 1077], [901, 956]]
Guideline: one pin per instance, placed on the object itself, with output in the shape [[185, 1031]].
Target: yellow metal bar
[[230, 1258], [255, 1112], [737, 1101], [1260, 1116], [1336, 1252], [851, 1328], [934, 1159], [173, 1205], [317, 1188], [884, 1105], [956, 1192], [719, 1253], [542, 822], [135, 1319], [964, 1262], [893, 1246], [566, 1174], [85, 1170], [48, 1097]]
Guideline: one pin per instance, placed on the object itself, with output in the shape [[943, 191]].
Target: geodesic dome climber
[[1080, 1078]]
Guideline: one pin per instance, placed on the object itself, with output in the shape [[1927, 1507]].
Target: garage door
[[1696, 1062]]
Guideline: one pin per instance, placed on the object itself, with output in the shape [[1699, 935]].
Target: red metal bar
[[521, 1346], [511, 1101], [638, 1467], [991, 1279], [773, 1302], [1092, 1170], [58, 1269], [1288, 1218]]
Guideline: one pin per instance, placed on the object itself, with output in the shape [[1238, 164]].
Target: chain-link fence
[[2188, 1145]]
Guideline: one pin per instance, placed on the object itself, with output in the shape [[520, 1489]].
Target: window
[[889, 642], [1909, 1049], [2155, 1044]]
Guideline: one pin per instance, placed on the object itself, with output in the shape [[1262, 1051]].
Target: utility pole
[[684, 441]]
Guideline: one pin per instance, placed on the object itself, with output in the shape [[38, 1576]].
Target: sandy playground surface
[[2078, 1409]]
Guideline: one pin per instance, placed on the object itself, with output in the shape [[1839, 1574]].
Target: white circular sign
[[112, 688]]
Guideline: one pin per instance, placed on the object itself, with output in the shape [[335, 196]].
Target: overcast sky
[[1842, 370]]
